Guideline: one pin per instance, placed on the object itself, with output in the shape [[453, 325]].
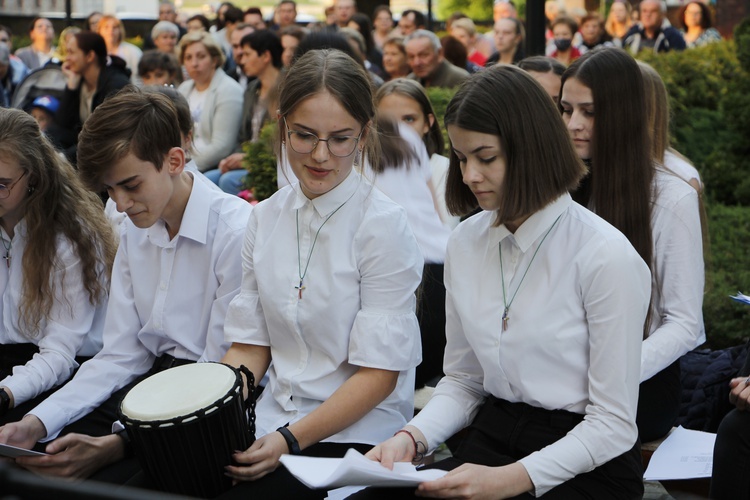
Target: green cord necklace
[[507, 304], [302, 273]]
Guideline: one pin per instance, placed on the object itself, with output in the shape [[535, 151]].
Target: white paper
[[354, 470], [7, 450], [343, 493], [741, 297], [685, 454]]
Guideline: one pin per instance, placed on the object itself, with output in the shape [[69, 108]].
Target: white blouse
[[408, 186], [167, 297], [357, 307], [573, 340], [74, 326], [678, 275]]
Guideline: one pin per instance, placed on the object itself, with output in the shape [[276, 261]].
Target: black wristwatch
[[291, 441], [127, 444], [4, 402]]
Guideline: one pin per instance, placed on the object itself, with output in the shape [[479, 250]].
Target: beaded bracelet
[[417, 455]]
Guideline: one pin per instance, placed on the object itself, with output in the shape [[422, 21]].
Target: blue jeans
[[230, 182]]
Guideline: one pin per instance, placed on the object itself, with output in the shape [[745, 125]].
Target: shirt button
[[163, 286]]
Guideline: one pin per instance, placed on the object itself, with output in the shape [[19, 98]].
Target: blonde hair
[[467, 25], [110, 17], [208, 41], [56, 205]]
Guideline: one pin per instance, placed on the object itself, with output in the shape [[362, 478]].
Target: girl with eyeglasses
[[330, 267], [57, 250]]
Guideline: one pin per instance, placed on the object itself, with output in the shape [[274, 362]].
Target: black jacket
[[68, 124]]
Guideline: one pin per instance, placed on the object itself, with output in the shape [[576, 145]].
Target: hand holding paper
[[354, 470]]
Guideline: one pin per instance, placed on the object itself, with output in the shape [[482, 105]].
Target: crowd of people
[[544, 268]]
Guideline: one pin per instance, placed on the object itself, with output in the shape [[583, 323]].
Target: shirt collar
[[194, 224], [333, 199], [533, 227]]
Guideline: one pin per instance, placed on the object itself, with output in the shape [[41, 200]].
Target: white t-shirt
[[573, 340], [357, 307], [167, 297], [196, 101]]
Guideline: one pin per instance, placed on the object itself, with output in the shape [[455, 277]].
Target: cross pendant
[[300, 288], [7, 259], [505, 319]]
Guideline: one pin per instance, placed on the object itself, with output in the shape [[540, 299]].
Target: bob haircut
[[622, 171], [208, 41], [345, 79], [541, 163], [705, 15], [145, 124], [433, 139]]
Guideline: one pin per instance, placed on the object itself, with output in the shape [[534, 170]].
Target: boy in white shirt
[[176, 270]]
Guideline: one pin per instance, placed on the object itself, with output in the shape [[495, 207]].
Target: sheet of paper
[[354, 470], [685, 454], [344, 493], [7, 450], [741, 297]]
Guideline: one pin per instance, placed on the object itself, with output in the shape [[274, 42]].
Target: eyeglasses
[[304, 143], [5, 190]]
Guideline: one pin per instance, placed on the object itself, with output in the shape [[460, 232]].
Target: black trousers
[[730, 479], [431, 316], [503, 432], [280, 483], [659, 403]]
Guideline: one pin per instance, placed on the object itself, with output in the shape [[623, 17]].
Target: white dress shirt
[[573, 340], [356, 310], [73, 327], [167, 297], [678, 275], [408, 186]]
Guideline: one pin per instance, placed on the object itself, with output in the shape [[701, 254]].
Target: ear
[[175, 161]]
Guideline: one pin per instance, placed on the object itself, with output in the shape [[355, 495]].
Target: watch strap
[[291, 441]]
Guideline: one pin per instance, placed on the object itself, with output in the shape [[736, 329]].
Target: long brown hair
[[619, 187], [56, 205], [622, 172]]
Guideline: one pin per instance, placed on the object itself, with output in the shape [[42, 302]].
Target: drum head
[[178, 391]]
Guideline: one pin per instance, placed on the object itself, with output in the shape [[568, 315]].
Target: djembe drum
[[186, 422]]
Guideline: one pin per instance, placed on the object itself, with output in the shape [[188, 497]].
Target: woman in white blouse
[[113, 31], [602, 102], [545, 304], [330, 267], [57, 250]]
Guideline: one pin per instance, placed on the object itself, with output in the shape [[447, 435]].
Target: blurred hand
[[739, 393], [399, 448], [231, 162], [73, 78], [479, 482], [76, 456]]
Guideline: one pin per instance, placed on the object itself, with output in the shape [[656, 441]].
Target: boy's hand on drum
[[479, 482], [24, 433], [258, 460], [76, 456]]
